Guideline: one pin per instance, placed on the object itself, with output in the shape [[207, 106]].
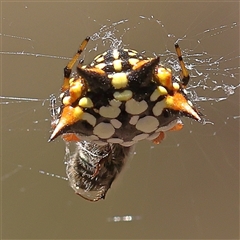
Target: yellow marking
[[164, 77], [66, 100], [76, 89], [132, 51], [77, 114], [98, 56], [96, 70], [176, 86], [133, 61], [170, 103], [162, 90], [61, 95], [117, 64], [71, 80], [123, 96], [140, 64], [85, 102], [115, 54], [100, 65], [119, 80], [131, 54], [154, 96], [100, 59]]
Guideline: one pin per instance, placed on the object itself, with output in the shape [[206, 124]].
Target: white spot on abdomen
[[101, 143], [115, 140], [140, 137], [116, 123], [158, 108], [104, 130], [170, 125], [109, 111], [134, 120], [147, 124], [115, 103], [153, 136], [134, 107], [128, 144], [89, 118]]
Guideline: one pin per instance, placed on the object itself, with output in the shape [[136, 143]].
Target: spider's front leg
[[71, 90], [68, 68], [174, 97], [53, 111], [184, 72]]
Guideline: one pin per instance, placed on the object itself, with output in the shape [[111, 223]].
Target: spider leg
[[185, 76], [68, 68], [53, 111]]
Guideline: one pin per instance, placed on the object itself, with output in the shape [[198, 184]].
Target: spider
[[120, 98]]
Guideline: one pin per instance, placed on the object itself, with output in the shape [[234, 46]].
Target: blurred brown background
[[185, 188]]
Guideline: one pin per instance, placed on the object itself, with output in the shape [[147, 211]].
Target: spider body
[[120, 98]]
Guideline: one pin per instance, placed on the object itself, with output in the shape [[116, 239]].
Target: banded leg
[[185, 76], [68, 68], [53, 111]]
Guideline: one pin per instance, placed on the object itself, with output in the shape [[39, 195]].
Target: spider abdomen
[[122, 98]]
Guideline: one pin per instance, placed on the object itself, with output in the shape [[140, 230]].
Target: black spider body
[[119, 99]]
